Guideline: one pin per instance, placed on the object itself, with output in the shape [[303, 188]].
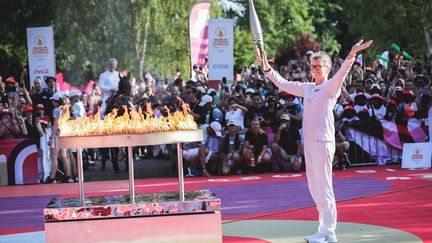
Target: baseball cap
[[363, 110], [285, 117], [377, 96], [376, 86], [250, 90], [57, 96], [40, 106], [309, 52], [27, 108], [10, 80], [201, 89], [349, 107], [73, 93], [231, 122], [217, 127], [209, 91], [196, 66], [205, 99]]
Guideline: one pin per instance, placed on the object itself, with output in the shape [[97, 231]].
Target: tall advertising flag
[[198, 33], [221, 50], [255, 27], [41, 57]]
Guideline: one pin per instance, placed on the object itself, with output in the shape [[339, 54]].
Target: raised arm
[[294, 88], [335, 83]]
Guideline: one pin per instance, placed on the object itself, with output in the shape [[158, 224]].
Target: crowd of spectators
[[249, 125]]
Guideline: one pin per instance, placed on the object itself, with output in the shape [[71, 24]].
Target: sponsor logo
[[43, 71], [220, 39], [418, 154], [316, 90], [40, 47], [220, 66]]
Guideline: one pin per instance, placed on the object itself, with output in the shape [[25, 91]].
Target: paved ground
[[375, 204]]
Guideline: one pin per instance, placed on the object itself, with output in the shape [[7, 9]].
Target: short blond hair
[[324, 57]]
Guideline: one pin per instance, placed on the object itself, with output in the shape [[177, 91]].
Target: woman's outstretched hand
[[360, 46]]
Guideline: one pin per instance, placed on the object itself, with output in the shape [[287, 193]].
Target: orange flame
[[131, 122]]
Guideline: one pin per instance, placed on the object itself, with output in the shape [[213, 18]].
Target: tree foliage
[[15, 17], [283, 22], [387, 22], [152, 35]]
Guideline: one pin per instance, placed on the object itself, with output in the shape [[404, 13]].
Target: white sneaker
[[308, 237], [322, 238]]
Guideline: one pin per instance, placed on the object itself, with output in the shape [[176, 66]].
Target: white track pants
[[318, 158]]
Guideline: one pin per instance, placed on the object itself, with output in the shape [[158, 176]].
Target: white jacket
[[319, 101]]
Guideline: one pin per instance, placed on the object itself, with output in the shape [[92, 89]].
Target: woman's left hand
[[360, 46]]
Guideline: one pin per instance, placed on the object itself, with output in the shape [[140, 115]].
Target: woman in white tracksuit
[[319, 131]]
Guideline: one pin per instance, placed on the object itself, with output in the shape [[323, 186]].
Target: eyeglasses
[[317, 67]]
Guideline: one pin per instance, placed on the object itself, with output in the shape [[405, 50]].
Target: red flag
[[87, 88], [62, 85], [198, 33]]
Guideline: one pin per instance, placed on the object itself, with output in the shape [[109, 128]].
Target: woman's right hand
[[266, 66]]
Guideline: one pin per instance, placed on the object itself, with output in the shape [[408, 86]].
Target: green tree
[[144, 35], [15, 17], [387, 22], [282, 22]]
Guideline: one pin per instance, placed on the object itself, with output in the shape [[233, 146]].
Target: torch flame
[[131, 122]]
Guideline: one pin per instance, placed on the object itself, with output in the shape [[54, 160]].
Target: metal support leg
[[180, 171], [80, 176], [131, 175]]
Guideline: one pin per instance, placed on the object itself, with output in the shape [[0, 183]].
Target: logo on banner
[[221, 66], [40, 47], [220, 39], [417, 155]]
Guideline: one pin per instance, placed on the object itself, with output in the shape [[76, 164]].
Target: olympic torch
[[256, 29]]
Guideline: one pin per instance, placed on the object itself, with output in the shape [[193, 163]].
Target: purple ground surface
[[256, 198], [23, 212], [237, 199]]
